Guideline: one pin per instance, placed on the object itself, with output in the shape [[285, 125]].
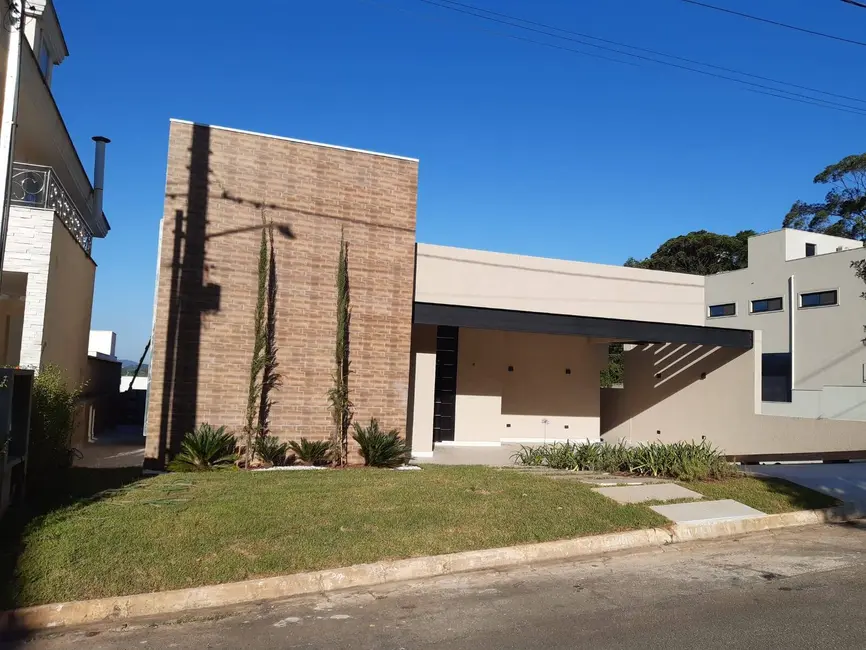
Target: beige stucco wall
[[494, 404], [11, 330], [68, 304], [680, 405], [422, 380], [458, 276], [828, 348]]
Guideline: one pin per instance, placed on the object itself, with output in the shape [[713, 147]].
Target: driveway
[[120, 447], [845, 481]]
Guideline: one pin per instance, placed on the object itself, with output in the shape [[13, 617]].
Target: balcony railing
[[38, 187]]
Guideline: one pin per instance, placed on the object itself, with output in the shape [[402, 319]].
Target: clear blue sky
[[523, 148]]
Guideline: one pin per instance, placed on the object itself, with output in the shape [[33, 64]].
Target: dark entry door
[[445, 388]]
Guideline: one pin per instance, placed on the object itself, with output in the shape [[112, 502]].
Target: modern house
[[800, 290], [457, 347], [48, 270]]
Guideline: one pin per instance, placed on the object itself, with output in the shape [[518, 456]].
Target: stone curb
[[42, 617]]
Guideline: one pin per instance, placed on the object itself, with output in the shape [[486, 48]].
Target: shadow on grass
[[800, 497], [76, 485]]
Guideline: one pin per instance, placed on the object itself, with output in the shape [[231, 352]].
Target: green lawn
[[184, 530], [770, 495]]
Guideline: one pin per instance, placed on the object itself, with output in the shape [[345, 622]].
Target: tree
[[259, 359], [338, 396], [843, 211], [699, 253]]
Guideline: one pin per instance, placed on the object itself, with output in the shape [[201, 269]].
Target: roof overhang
[[610, 328]]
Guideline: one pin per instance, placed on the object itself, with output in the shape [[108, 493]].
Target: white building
[[801, 292], [48, 271]]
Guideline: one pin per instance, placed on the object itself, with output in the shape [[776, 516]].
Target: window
[[44, 58], [819, 298], [728, 309], [766, 304], [810, 250]]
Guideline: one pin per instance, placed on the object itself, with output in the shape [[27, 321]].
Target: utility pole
[[16, 16]]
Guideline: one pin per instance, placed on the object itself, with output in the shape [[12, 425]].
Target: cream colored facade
[[712, 394], [526, 387], [828, 358], [525, 382], [460, 276]]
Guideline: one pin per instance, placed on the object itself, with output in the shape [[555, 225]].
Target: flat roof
[[281, 137], [542, 323]]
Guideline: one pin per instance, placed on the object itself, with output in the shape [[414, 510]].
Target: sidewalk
[[120, 447]]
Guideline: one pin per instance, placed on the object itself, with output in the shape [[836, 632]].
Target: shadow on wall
[[191, 295], [189, 298], [654, 372]]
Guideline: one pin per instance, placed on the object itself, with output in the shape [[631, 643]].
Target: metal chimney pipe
[[99, 175]]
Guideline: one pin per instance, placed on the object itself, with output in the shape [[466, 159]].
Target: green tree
[[338, 396], [259, 359], [843, 211], [699, 253]]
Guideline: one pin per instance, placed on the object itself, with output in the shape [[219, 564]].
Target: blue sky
[[523, 148]]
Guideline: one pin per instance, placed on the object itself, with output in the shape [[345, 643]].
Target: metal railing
[[37, 186]]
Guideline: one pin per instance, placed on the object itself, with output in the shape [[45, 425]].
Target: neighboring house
[[48, 271], [801, 292], [455, 347]]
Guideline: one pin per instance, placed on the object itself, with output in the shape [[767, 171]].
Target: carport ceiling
[[626, 330]]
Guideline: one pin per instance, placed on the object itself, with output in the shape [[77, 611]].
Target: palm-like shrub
[[271, 450], [380, 448], [204, 449], [683, 461], [312, 452]]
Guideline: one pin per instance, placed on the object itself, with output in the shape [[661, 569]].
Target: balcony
[[35, 186]]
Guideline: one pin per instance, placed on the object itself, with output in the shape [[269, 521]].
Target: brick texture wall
[[219, 183]]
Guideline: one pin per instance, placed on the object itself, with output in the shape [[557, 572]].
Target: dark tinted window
[[729, 309], [819, 298], [768, 304], [810, 250]]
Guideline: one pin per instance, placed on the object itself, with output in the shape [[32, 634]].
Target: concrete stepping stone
[[610, 481], [648, 492], [704, 512]]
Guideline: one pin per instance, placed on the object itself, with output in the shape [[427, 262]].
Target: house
[[458, 348], [800, 290], [48, 268]]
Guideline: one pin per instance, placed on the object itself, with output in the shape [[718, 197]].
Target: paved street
[[796, 588]]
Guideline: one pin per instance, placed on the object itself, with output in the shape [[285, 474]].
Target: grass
[[185, 530], [769, 495]]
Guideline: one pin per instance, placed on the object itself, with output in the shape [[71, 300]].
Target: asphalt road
[[796, 588]]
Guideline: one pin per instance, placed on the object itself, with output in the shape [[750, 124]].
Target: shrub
[[380, 448], [271, 450], [313, 452], [204, 449], [52, 421], [529, 456], [682, 461]]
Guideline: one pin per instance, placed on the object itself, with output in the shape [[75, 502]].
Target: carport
[[492, 377]]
